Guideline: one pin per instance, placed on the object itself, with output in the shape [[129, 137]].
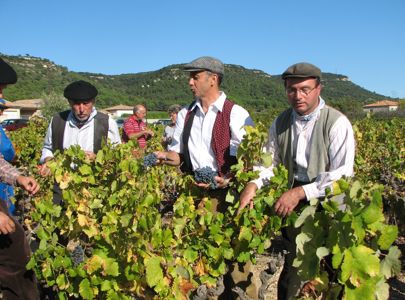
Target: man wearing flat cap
[[16, 282], [316, 144], [82, 125], [208, 132]]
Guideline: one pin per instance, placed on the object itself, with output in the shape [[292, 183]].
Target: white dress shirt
[[341, 152], [199, 143], [84, 136]]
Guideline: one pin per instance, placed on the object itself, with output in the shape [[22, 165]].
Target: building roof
[[382, 103], [119, 107], [27, 104]]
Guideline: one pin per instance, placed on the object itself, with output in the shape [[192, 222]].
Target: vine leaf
[[391, 265], [154, 271], [359, 264], [85, 290]]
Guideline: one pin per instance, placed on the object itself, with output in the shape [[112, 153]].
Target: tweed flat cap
[[206, 63], [7, 73], [302, 70], [80, 91]]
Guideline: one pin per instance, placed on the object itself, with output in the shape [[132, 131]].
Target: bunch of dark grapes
[[77, 255], [150, 160], [206, 175]]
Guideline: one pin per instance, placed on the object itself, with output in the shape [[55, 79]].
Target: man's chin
[[82, 119]]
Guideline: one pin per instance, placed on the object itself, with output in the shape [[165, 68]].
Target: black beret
[[7, 73], [80, 91], [302, 70]]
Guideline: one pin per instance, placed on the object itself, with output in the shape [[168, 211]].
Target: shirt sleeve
[[238, 119], [8, 173], [176, 144], [341, 157], [47, 147], [270, 147], [113, 132], [6, 147]]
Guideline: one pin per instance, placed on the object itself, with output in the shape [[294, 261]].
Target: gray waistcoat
[[319, 148]]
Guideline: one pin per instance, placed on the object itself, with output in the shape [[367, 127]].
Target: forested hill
[[253, 89]]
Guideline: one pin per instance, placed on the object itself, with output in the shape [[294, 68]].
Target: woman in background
[[169, 129]]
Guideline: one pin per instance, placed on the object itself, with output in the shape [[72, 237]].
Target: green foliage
[[348, 240], [53, 103], [253, 89], [28, 143], [380, 157], [112, 211]]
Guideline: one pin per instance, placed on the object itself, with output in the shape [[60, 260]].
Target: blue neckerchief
[[312, 114]]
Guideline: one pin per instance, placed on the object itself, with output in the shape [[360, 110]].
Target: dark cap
[[80, 91], [206, 63], [302, 70], [7, 73]]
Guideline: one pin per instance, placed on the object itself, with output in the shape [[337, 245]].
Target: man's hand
[[247, 195], [43, 170], [28, 183], [170, 158], [222, 183], [288, 201], [90, 155], [7, 224], [149, 132]]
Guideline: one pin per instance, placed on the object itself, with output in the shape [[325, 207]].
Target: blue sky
[[362, 39]]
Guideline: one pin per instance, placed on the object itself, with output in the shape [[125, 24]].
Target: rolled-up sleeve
[[47, 147], [113, 132], [8, 173]]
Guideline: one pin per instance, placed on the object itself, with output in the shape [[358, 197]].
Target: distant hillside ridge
[[251, 88]]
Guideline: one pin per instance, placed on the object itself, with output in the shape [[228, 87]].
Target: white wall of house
[[120, 113], [10, 113], [380, 109]]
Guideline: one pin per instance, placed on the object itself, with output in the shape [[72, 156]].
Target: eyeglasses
[[304, 91]]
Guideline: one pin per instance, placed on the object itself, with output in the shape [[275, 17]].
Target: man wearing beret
[[15, 281], [82, 125], [207, 134], [316, 144]]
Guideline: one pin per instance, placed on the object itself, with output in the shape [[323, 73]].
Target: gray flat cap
[[206, 63], [302, 70]]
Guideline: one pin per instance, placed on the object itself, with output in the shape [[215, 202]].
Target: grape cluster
[[206, 175], [77, 255], [150, 160]]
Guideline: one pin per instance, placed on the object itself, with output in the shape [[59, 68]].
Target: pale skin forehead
[[139, 108]]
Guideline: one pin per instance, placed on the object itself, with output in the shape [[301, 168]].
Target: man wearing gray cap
[[316, 144], [82, 125], [210, 130], [208, 134]]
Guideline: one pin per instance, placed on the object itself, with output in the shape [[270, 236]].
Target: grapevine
[[125, 244]]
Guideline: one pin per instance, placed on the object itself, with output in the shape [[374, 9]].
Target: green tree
[[53, 103]]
